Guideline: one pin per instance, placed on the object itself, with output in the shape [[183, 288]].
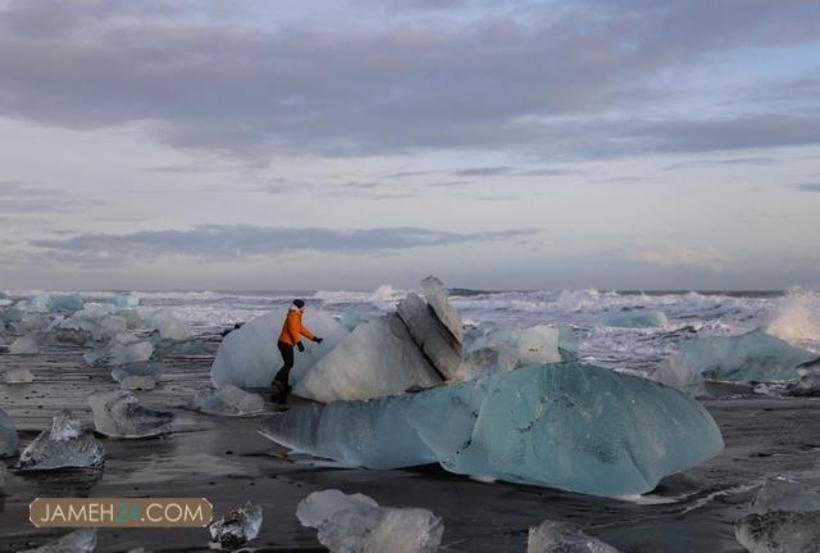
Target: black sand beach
[[228, 462]]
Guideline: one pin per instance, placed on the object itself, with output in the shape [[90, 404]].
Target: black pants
[[283, 376]]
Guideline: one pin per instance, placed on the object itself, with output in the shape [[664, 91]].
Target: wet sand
[[226, 461]]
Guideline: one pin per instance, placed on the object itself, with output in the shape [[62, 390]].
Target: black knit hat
[[299, 303]]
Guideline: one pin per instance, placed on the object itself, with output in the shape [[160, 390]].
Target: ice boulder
[[167, 325], [571, 426], [752, 356], [378, 358], [229, 401], [237, 527], [782, 494], [98, 320], [493, 348], [83, 540], [118, 414], [437, 342], [780, 532], [356, 523], [38, 303], [18, 376], [126, 300], [8, 436], [24, 345], [249, 358], [65, 445], [123, 350], [563, 537], [66, 303], [637, 318]]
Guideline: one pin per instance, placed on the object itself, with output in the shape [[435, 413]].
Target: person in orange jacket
[[291, 336]]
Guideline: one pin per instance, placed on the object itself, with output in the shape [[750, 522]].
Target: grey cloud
[[22, 198], [440, 83], [482, 171], [235, 241], [759, 160], [808, 187]]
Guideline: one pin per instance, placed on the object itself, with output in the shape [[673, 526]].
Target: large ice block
[[249, 358], [752, 356], [378, 358], [63, 446], [436, 295], [492, 348], [356, 523], [83, 540], [118, 414], [637, 318], [167, 325], [8, 436], [441, 348], [780, 532], [563, 537], [66, 302], [571, 426]]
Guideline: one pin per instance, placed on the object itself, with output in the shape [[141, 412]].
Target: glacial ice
[[99, 320], [126, 300], [780, 532], [563, 537], [67, 302], [357, 524], [18, 376], [491, 348], [167, 325], [144, 370], [83, 540], [63, 446], [249, 358], [378, 358], [229, 401], [752, 356], [440, 347], [237, 527], [8, 436], [24, 345], [635, 319], [118, 414], [781, 494], [571, 426], [38, 303], [436, 295], [122, 350]]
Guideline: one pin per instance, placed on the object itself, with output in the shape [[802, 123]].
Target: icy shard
[[248, 356], [236, 528], [440, 347], [64, 446], [780, 532], [635, 319], [378, 358], [492, 348], [78, 541], [436, 295], [8, 436], [571, 426], [357, 524], [563, 537], [229, 401], [118, 414]]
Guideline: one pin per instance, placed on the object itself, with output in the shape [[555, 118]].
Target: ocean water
[[793, 315]]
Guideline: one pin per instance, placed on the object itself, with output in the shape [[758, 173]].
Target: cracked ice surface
[[378, 358], [563, 537], [571, 426], [79, 541], [356, 523], [118, 414], [249, 358], [63, 446], [237, 527]]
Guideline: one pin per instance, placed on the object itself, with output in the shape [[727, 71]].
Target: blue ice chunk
[[572, 426], [67, 302], [635, 319], [126, 299]]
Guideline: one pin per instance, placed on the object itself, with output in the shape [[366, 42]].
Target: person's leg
[[280, 381]]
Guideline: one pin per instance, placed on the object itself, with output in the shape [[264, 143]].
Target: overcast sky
[[331, 144]]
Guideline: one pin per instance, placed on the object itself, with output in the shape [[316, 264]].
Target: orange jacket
[[293, 329]]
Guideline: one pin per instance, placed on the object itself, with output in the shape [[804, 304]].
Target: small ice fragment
[[228, 401], [237, 527], [779, 532], [138, 383], [356, 523], [24, 345], [635, 319], [63, 447], [8, 436], [118, 414], [780, 494], [78, 541], [564, 537], [121, 352], [18, 376], [126, 299]]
